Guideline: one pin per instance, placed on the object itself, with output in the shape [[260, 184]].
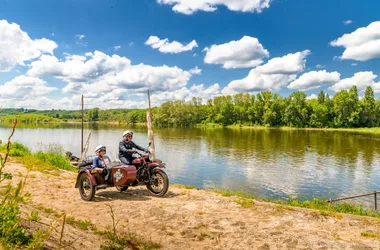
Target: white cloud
[[164, 46], [188, 7], [80, 36], [117, 47], [354, 64], [314, 80], [288, 64], [245, 53], [16, 46], [311, 97], [362, 45], [98, 73], [320, 66], [347, 22], [360, 79], [24, 87], [273, 75], [187, 94], [195, 71]]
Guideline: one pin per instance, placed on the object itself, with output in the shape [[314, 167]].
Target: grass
[[183, 186], [325, 208], [48, 157], [82, 224], [124, 240], [34, 216], [369, 234]]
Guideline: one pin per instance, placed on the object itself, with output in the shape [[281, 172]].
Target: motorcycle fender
[[87, 172], [156, 165]]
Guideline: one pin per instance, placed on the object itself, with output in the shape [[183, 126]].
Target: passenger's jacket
[[126, 149], [100, 162]]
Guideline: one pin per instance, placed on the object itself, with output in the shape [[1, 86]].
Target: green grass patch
[[47, 158], [34, 216], [369, 234], [82, 224], [229, 193], [322, 205], [126, 241], [183, 186], [244, 202]]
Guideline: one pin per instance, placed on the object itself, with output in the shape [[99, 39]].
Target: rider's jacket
[[126, 149]]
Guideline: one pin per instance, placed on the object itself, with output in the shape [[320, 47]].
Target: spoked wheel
[[121, 189], [159, 184], [86, 190]]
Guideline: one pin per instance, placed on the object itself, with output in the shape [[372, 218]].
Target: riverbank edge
[[374, 130]]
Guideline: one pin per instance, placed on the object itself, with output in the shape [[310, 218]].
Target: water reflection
[[266, 162]]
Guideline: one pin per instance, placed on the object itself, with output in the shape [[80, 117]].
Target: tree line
[[343, 110]]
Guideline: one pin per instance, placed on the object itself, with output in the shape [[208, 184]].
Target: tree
[[93, 115], [296, 113], [368, 116]]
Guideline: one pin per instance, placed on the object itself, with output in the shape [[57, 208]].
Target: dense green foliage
[[344, 110]]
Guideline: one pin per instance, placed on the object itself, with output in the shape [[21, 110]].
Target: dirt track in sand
[[197, 219]]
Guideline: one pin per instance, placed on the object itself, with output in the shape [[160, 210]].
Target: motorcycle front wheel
[[159, 183], [86, 190]]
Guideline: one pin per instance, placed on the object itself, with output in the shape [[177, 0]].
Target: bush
[[16, 149]]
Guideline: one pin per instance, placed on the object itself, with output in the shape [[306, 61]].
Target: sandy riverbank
[[194, 219]]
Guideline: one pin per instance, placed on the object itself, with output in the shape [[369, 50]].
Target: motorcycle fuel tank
[[123, 175]]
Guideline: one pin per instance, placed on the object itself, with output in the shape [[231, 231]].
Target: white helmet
[[127, 132], [100, 148]]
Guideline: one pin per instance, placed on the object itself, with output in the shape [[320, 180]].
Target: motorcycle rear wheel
[[86, 190], [160, 185]]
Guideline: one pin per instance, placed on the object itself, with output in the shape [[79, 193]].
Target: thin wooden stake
[[81, 145], [150, 130]]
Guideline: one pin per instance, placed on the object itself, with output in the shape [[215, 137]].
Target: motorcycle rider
[[127, 148], [101, 159]]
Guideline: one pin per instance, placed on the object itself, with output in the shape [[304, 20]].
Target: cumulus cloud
[[80, 36], [248, 52], [187, 93], [16, 46], [347, 22], [24, 87], [361, 45], [117, 47], [320, 66], [189, 7], [196, 71], [360, 79], [314, 80], [97, 73], [164, 46], [273, 75], [311, 97]]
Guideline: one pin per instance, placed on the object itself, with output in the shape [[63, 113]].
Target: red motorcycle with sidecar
[[143, 171]]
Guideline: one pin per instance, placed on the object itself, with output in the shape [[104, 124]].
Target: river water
[[267, 163]]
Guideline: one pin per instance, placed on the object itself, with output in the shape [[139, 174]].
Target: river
[[267, 163]]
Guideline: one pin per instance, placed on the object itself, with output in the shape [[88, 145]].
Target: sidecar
[[89, 180]]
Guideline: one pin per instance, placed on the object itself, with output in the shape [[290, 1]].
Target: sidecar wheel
[[86, 190], [121, 189], [160, 183]]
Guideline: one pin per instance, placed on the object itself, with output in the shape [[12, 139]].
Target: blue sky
[[281, 27]]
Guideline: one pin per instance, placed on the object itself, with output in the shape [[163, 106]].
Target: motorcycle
[[142, 171]]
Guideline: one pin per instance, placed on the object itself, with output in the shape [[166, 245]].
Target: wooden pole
[[150, 130], [81, 145]]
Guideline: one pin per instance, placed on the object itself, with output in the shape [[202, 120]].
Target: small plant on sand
[[82, 224], [369, 234], [123, 240], [34, 216], [246, 203]]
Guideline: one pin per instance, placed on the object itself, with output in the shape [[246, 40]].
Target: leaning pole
[[150, 130]]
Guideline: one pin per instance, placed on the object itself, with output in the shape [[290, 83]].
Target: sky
[[112, 52]]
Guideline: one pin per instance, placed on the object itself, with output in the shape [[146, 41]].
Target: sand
[[190, 219]]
